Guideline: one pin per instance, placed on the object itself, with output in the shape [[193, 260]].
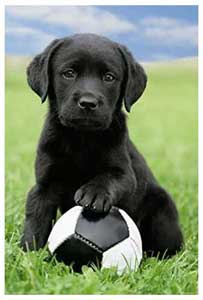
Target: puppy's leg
[[160, 231], [40, 213]]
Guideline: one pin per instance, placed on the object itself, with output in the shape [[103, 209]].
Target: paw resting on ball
[[94, 197]]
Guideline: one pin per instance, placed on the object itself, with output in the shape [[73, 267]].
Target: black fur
[[85, 155]]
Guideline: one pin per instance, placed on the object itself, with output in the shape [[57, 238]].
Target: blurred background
[[162, 124], [151, 32]]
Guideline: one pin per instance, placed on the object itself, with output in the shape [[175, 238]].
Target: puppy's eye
[[69, 74], [109, 77]]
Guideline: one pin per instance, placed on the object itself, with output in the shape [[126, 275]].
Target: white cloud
[[159, 21], [77, 18], [29, 12], [20, 31], [168, 31], [39, 39]]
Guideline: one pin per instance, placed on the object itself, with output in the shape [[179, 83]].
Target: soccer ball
[[82, 237]]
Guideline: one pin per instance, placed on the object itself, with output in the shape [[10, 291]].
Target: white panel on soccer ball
[[133, 230], [64, 228], [125, 256]]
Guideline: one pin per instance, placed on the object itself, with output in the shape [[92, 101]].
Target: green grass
[[163, 124]]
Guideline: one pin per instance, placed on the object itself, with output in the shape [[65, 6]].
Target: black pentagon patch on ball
[[76, 252], [103, 230]]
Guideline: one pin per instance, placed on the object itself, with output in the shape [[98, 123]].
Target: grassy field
[[163, 124]]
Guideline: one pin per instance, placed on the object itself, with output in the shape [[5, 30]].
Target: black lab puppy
[[85, 156]]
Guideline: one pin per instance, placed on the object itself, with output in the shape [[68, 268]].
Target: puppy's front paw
[[94, 197]]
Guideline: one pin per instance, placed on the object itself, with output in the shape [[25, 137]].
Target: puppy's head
[[86, 78]]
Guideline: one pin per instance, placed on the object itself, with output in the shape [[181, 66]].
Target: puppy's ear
[[136, 78], [38, 70]]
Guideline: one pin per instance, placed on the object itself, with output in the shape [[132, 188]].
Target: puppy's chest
[[82, 163], [86, 160]]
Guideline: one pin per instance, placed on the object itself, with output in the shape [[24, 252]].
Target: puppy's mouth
[[86, 124]]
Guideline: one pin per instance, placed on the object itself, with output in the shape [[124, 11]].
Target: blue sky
[[152, 33]]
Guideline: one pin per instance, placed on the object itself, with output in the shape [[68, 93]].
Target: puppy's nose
[[87, 102]]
